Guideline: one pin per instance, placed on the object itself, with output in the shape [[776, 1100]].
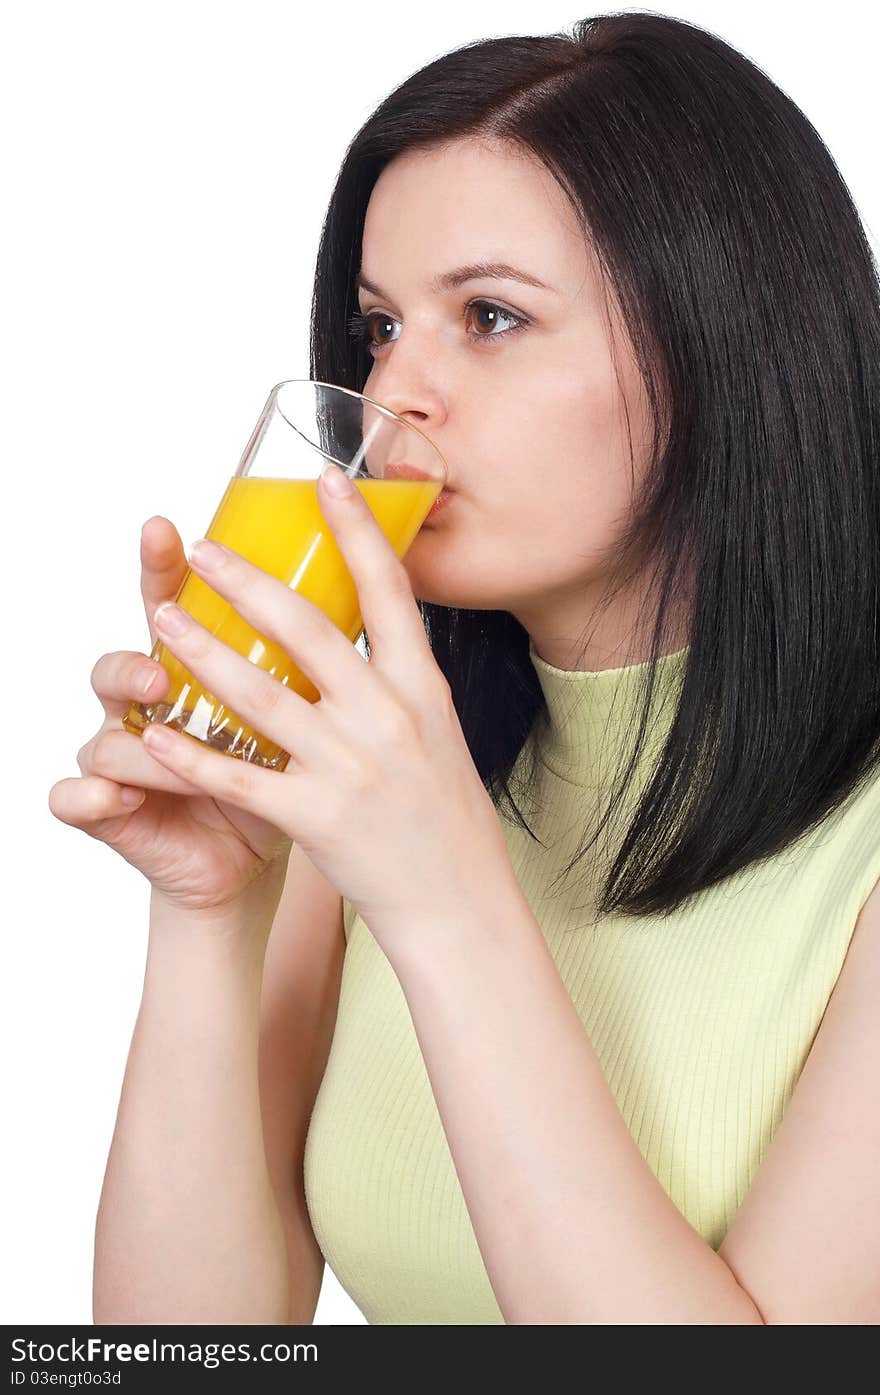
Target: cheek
[[565, 429], [534, 536], [546, 487], [566, 494], [591, 445]]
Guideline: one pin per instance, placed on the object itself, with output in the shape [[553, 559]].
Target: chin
[[440, 581]]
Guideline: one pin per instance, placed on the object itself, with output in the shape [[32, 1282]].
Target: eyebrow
[[474, 271]]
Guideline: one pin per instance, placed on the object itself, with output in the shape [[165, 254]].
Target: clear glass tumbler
[[270, 513]]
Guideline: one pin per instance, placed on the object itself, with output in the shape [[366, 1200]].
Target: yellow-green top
[[702, 1022]]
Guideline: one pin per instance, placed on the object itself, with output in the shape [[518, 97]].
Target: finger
[[240, 782], [91, 801], [279, 613], [120, 678], [121, 756], [163, 566], [389, 609], [253, 694]]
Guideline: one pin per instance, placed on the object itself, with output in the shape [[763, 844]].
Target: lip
[[441, 502]]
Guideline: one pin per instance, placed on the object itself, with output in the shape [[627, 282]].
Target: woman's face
[[532, 421]]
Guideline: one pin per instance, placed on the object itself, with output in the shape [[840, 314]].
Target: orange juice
[[278, 525]]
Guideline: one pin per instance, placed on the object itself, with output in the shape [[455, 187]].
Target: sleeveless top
[[702, 1021]]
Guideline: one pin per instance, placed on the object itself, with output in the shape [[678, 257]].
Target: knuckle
[[355, 780], [266, 693], [361, 777], [95, 675], [83, 755], [436, 708], [240, 781], [311, 624], [336, 804], [99, 761], [94, 803], [398, 726]]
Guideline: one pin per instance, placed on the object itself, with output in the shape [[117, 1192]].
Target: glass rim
[[362, 396]]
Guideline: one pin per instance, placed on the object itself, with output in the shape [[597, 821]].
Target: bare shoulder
[[805, 1242]]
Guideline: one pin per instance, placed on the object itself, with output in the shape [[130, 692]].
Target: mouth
[[402, 470], [441, 502]]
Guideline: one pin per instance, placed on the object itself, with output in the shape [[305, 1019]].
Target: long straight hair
[[731, 245]]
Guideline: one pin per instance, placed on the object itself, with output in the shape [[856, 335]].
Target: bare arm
[[202, 1216], [188, 1229], [300, 1000]]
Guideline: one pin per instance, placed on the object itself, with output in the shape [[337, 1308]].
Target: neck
[[613, 637], [592, 715]]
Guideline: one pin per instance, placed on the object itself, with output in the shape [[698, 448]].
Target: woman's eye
[[362, 328], [495, 314]]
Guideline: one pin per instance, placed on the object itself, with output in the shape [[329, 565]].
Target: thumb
[[163, 566]]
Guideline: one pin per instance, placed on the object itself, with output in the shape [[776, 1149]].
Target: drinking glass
[[270, 514]]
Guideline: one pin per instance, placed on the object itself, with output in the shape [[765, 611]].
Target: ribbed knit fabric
[[702, 1022]]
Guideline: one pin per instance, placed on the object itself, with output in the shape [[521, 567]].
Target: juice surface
[[278, 525]]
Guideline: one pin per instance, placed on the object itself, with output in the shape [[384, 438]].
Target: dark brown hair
[[732, 246]]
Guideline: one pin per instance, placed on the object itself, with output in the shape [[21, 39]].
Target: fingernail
[[336, 480], [170, 618], [207, 555], [132, 797], [157, 736]]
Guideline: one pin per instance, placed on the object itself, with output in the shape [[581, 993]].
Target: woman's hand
[[380, 791], [198, 854]]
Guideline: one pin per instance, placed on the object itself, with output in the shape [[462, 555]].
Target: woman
[[617, 278]]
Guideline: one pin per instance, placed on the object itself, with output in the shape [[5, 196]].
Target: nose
[[406, 387], [423, 408]]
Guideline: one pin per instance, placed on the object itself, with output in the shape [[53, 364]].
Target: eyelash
[[358, 325]]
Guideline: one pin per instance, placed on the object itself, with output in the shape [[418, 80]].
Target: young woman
[[600, 820]]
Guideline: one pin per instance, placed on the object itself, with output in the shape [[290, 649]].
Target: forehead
[[471, 201]]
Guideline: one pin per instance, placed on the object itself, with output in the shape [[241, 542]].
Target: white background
[[166, 169]]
